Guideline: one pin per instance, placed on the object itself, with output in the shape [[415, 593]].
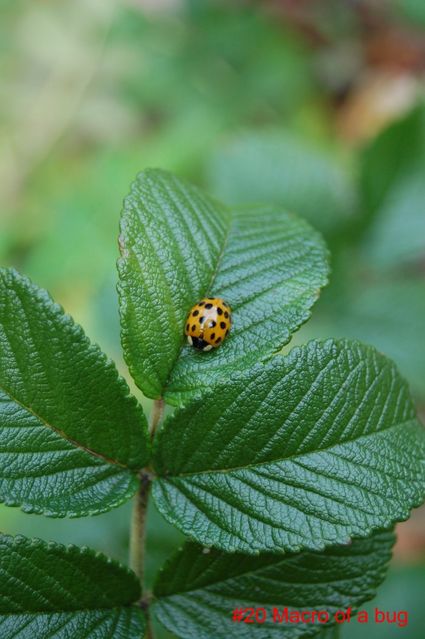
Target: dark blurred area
[[315, 105]]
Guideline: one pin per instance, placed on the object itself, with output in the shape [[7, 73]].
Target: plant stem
[[156, 416], [138, 528], [138, 524], [149, 628]]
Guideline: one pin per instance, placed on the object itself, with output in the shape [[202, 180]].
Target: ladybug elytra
[[208, 323]]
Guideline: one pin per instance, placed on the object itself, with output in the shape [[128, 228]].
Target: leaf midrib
[[206, 290], [290, 457], [62, 434], [293, 277]]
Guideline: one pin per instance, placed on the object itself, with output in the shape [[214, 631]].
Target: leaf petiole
[[138, 525], [156, 416]]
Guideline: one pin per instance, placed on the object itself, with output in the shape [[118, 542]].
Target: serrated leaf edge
[[67, 320], [71, 551]]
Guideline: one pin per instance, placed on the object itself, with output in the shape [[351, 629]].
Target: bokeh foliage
[[251, 100]]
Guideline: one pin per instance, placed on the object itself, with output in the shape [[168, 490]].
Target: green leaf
[[178, 246], [396, 236], [116, 623], [288, 171], [306, 451], [49, 590], [367, 311], [71, 436], [390, 157], [198, 589], [394, 195]]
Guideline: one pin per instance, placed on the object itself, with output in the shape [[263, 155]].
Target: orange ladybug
[[208, 323]]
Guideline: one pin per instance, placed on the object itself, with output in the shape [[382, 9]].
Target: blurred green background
[[315, 105]]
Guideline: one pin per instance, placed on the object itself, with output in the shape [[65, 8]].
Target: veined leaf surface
[[178, 246], [306, 451]]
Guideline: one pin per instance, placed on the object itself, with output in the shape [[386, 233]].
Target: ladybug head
[[199, 344]]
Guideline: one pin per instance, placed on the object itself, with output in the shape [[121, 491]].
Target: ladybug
[[208, 323]]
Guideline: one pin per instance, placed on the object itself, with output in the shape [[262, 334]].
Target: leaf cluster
[[286, 472]]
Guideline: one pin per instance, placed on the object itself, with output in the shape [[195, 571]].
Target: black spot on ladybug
[[212, 324], [219, 310], [193, 327], [226, 314], [195, 313], [187, 327], [222, 324], [201, 303], [218, 340], [212, 336], [202, 319], [208, 305]]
